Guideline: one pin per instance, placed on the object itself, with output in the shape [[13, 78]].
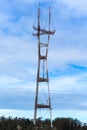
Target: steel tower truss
[[42, 72]]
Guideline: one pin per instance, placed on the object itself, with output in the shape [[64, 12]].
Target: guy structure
[[42, 72]]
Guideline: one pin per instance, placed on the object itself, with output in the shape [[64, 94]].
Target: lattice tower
[[42, 72]]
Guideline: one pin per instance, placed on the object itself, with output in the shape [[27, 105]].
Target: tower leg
[[51, 118], [35, 116]]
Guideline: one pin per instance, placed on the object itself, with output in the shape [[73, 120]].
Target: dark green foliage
[[11, 124], [27, 124], [67, 124]]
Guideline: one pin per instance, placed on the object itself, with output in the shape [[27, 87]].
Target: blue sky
[[67, 60]]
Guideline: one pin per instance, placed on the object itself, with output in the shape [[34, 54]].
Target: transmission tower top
[[41, 31]]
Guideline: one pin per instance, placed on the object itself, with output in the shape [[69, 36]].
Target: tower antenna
[[42, 71]]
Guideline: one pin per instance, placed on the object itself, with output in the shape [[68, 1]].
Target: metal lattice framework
[[42, 72]]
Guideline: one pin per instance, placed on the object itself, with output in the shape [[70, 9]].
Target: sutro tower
[[42, 72]]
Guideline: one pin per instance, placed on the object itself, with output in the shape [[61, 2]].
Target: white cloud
[[69, 84], [65, 56], [73, 8], [16, 113], [10, 84], [8, 80], [68, 46], [18, 54], [32, 1], [77, 5]]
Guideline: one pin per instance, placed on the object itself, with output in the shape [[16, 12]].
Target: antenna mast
[[42, 71]]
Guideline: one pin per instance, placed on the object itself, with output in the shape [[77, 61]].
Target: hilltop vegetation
[[27, 124]]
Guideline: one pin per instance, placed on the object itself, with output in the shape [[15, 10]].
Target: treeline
[[27, 124]]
